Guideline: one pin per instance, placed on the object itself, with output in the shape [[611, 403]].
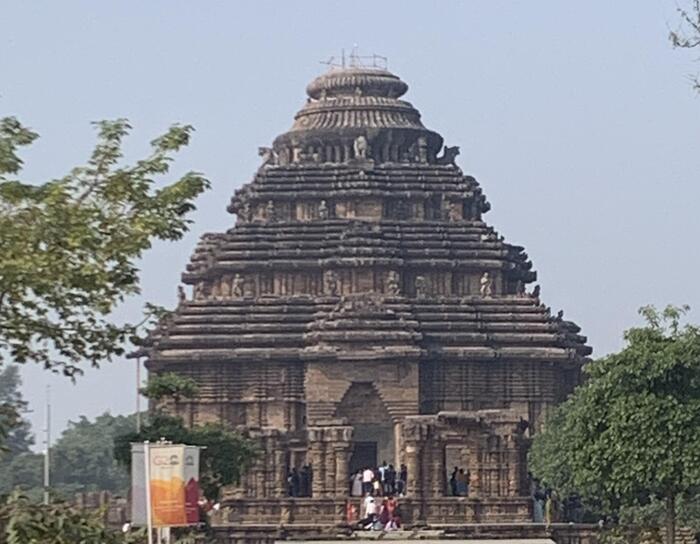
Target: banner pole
[[147, 472]]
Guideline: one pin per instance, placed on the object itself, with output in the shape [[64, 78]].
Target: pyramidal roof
[[360, 237]]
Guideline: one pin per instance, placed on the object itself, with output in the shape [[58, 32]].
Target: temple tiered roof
[[362, 307], [356, 190]]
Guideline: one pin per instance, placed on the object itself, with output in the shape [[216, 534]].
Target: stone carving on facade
[[181, 295], [246, 214], [323, 210], [270, 211], [225, 288], [449, 154], [283, 158], [330, 283], [216, 289], [392, 283], [454, 211], [361, 147], [420, 150], [486, 285], [421, 287], [535, 292], [198, 292], [237, 286], [268, 155]]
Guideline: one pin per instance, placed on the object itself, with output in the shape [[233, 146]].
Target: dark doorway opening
[[364, 454]]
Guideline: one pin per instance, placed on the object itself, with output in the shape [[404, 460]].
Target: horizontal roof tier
[[300, 328], [355, 243]]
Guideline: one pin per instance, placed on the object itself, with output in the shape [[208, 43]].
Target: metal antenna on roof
[[355, 60]]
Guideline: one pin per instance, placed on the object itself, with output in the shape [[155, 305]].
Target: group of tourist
[[459, 482], [375, 515], [548, 508], [299, 482], [383, 480]]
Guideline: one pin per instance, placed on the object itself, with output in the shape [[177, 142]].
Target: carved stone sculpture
[[269, 157], [486, 285], [330, 283], [454, 211], [449, 154], [361, 147], [422, 149], [181, 295], [536, 292], [199, 291], [323, 210], [270, 211], [421, 287], [246, 214], [237, 286], [392, 283], [225, 288]]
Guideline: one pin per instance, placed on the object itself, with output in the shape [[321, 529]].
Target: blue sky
[[578, 119]]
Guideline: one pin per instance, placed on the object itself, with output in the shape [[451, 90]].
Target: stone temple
[[361, 310]]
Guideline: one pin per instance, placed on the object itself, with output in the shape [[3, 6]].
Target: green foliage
[[631, 432], [26, 522], [169, 385], [70, 246], [688, 34], [227, 455], [82, 459], [15, 431]]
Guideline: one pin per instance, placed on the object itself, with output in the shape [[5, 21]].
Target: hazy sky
[[577, 118]]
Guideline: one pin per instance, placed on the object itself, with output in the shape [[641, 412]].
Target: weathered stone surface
[[361, 301]]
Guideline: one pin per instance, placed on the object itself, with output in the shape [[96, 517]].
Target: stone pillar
[[413, 466], [398, 446], [316, 458], [342, 436], [278, 474], [437, 469]]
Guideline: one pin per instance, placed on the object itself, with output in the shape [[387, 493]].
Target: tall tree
[[15, 430], [631, 433], [70, 246]]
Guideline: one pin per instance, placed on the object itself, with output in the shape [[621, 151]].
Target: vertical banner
[[173, 472], [138, 486], [167, 485], [191, 477]]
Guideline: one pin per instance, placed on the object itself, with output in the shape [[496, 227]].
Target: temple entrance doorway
[[373, 429], [364, 454]]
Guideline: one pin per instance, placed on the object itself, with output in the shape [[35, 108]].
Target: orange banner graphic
[[167, 486]]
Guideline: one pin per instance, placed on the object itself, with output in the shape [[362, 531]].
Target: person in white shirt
[[370, 508], [367, 477]]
